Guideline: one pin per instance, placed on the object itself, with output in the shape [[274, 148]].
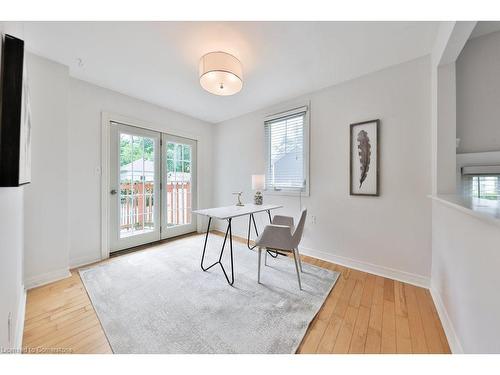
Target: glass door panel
[[135, 186], [180, 181]]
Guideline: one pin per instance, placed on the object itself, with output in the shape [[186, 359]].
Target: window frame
[[306, 150]]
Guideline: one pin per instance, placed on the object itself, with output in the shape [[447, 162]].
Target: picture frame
[[15, 120], [364, 160]]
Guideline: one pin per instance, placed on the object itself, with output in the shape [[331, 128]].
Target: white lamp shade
[[258, 181], [221, 73]]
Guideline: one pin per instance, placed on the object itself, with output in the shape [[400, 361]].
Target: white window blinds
[[482, 186], [481, 181], [285, 159]]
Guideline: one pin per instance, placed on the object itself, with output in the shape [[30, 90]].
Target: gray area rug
[[160, 301]]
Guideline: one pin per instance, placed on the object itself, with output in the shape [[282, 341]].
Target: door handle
[[113, 192]]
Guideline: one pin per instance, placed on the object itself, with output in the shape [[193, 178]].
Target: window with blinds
[[484, 187], [286, 159], [481, 181]]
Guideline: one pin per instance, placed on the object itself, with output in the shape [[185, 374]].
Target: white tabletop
[[235, 211]]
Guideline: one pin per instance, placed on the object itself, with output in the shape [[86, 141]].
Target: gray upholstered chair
[[282, 236]]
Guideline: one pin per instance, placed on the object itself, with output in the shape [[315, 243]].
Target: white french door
[[134, 186], [152, 186]]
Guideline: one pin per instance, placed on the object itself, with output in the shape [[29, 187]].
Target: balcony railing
[[137, 206]]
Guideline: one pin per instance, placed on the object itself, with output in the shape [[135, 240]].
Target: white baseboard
[[21, 309], [83, 261], [391, 273], [46, 278], [449, 330], [406, 277]]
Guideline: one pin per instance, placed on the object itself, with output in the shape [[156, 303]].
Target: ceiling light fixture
[[221, 73]]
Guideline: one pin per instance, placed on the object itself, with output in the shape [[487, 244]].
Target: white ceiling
[[158, 61]]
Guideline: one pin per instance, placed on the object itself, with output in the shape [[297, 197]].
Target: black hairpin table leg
[[251, 219], [219, 262], [273, 253]]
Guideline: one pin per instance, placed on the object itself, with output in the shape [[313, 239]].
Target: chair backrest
[[299, 229]]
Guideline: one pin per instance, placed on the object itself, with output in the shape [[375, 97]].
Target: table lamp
[[258, 184]]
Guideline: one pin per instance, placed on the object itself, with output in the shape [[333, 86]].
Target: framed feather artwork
[[364, 160]]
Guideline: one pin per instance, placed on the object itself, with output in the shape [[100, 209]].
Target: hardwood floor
[[60, 318], [364, 313]]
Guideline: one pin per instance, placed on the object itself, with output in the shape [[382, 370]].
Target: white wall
[[478, 95], [86, 103], [390, 234], [12, 294], [465, 278], [465, 246], [446, 117], [450, 40], [62, 211], [46, 197]]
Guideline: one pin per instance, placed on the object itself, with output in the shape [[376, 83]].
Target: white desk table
[[229, 213]]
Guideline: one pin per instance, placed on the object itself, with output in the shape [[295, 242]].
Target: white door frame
[[106, 119]]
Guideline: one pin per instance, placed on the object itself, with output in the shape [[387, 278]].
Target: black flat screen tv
[[15, 120]]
